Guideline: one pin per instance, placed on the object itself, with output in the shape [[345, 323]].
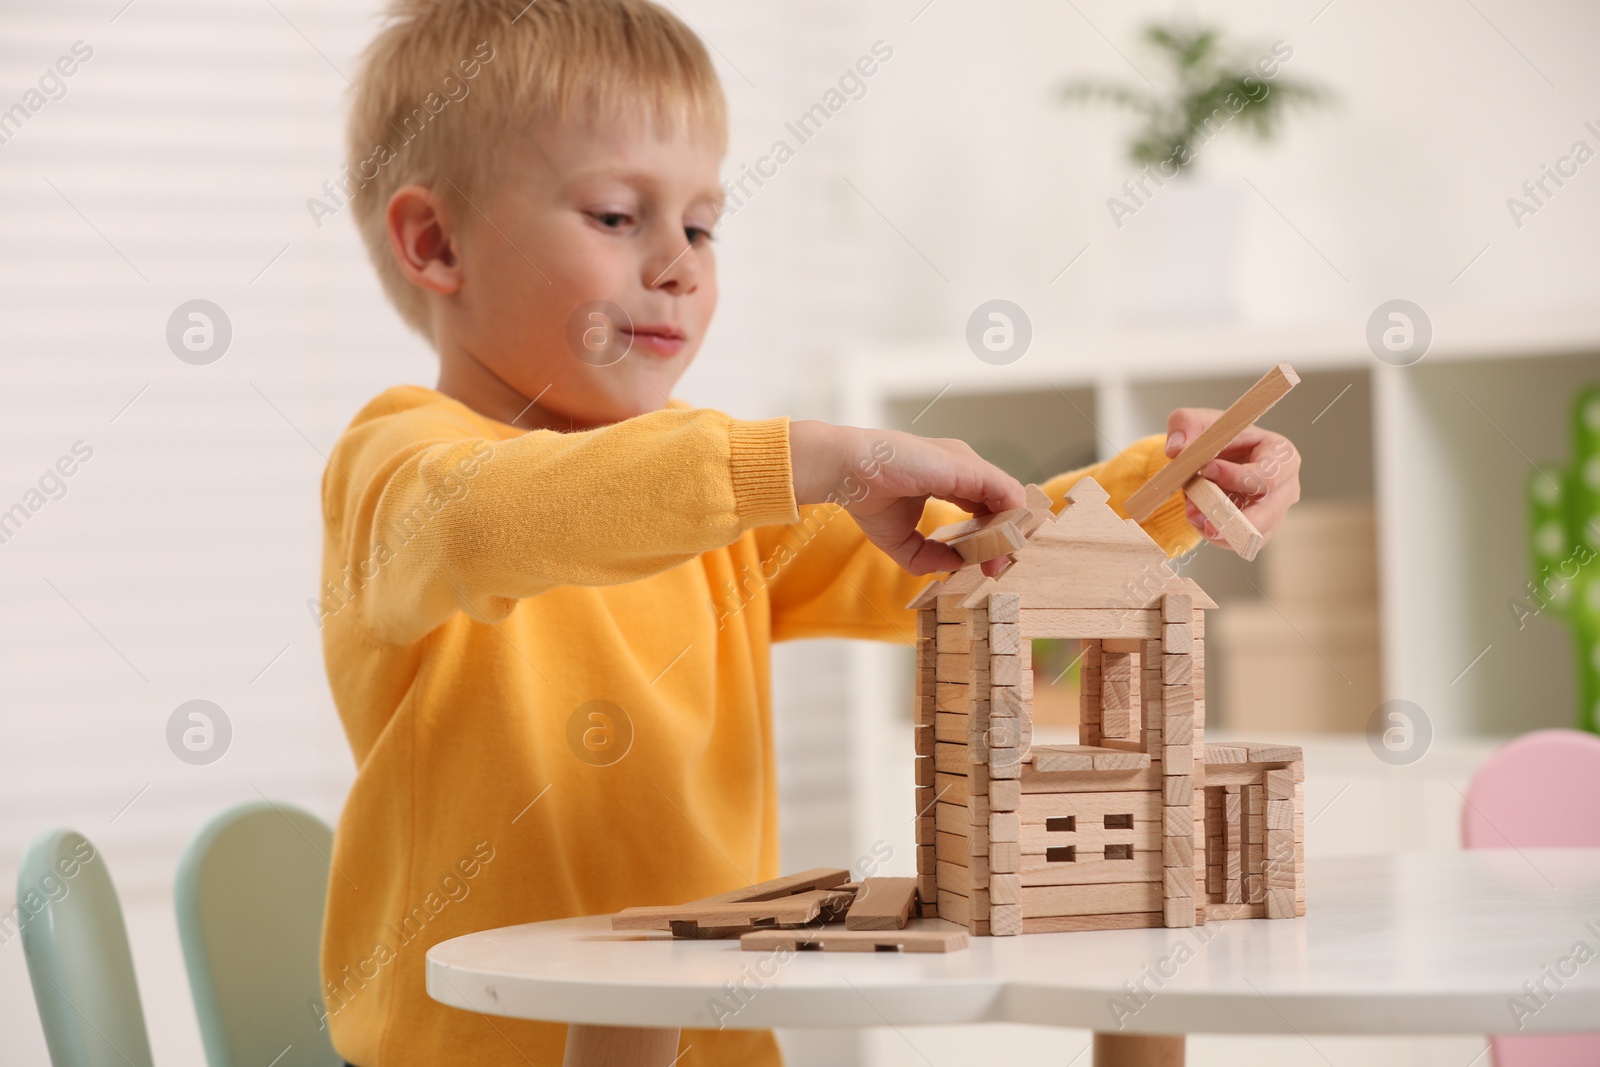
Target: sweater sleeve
[[832, 582], [425, 518]]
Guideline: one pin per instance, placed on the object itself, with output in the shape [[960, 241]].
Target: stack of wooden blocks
[[1115, 831]]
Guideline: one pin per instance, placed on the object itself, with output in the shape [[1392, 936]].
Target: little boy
[[550, 590]]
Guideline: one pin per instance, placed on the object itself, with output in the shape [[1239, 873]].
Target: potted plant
[[1187, 230]]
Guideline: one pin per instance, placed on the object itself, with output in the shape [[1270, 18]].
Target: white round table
[[1434, 943]]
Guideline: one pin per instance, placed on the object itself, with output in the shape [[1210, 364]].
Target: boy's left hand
[[1260, 470]]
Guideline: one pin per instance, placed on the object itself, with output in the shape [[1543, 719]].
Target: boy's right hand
[[884, 477]]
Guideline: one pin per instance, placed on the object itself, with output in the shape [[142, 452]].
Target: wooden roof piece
[[1086, 557]]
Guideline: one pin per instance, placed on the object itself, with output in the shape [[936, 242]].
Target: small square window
[[1061, 854], [1119, 822], [1060, 823], [1119, 852]]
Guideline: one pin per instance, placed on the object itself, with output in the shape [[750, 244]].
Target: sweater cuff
[[763, 482]]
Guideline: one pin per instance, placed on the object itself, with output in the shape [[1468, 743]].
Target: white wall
[[177, 166]]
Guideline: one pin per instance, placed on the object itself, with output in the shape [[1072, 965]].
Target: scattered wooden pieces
[[882, 904], [795, 909]]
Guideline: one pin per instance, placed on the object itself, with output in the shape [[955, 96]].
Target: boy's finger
[[1238, 479], [1185, 424], [927, 556]]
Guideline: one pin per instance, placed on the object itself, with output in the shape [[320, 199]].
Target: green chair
[[76, 945], [250, 894]]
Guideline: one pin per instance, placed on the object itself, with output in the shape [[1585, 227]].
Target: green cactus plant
[[1564, 511]]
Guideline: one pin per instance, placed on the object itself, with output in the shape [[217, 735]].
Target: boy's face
[[581, 222]]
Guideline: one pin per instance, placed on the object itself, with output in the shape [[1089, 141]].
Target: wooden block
[[1177, 789], [1005, 826], [925, 799], [1268, 753], [1090, 839], [947, 607], [1111, 760], [1271, 388], [999, 539], [1099, 899], [953, 848], [1005, 857], [1177, 670], [1051, 758], [1005, 795], [1004, 764], [1005, 700], [1280, 903], [1090, 623], [1178, 819], [1036, 781], [1177, 882], [1061, 924], [932, 937], [1177, 607], [922, 740], [953, 819], [1005, 889], [1004, 607], [952, 696], [950, 758], [953, 637], [950, 726], [927, 884], [1005, 638], [1178, 851], [1005, 670], [792, 909], [882, 904], [927, 625], [1280, 785], [922, 771], [1178, 912], [1177, 639], [788, 885], [1126, 645], [1280, 815], [1177, 728], [1233, 525], [1090, 867], [953, 667], [1143, 806], [951, 788], [1005, 920], [1177, 759]]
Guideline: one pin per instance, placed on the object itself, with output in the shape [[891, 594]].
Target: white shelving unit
[[1443, 448]]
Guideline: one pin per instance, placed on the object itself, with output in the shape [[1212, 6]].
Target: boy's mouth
[[659, 340]]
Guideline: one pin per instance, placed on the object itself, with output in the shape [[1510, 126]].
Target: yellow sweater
[[550, 653]]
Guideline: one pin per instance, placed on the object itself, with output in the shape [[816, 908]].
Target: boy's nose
[[675, 268]]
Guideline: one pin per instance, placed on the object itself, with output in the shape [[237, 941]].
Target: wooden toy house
[[1139, 824]]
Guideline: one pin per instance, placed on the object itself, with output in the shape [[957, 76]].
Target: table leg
[[1138, 1050], [620, 1046]]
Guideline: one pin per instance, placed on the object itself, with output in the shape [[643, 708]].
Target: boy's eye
[[696, 234], [610, 219]]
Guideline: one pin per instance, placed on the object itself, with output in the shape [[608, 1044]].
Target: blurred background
[[177, 162]]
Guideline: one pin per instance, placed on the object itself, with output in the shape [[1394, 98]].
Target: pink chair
[[1540, 791]]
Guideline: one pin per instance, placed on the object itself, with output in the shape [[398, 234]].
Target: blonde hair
[[445, 83]]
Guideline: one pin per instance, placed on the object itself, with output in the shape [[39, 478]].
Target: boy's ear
[[422, 239]]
